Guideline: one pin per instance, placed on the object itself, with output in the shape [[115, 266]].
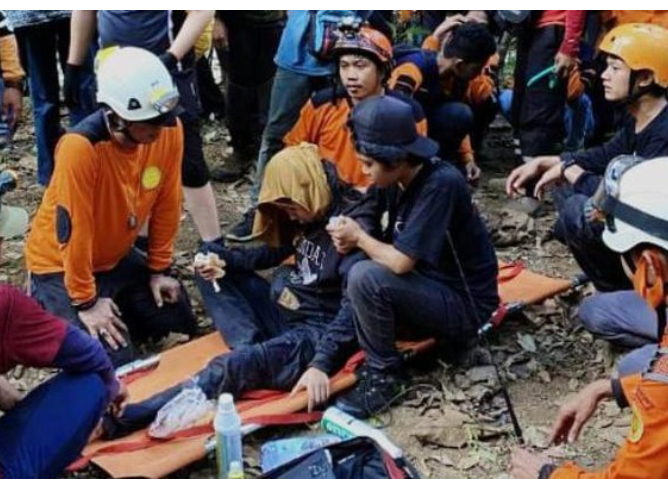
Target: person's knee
[[570, 223], [592, 315], [364, 279]]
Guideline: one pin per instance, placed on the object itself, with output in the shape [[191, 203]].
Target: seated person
[[637, 77], [41, 434], [364, 58], [296, 331], [434, 273], [116, 172], [636, 217], [447, 79]]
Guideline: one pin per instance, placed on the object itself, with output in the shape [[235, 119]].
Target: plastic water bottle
[[343, 425], [228, 435]]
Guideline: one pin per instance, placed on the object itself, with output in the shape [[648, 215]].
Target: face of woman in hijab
[[295, 212]]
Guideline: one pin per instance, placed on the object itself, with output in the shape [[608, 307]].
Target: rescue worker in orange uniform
[[117, 171], [446, 77], [364, 58], [634, 205]]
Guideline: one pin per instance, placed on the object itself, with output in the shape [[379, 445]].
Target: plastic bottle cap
[[236, 470], [226, 402]]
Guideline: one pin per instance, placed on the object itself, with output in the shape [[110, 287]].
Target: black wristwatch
[[567, 163]]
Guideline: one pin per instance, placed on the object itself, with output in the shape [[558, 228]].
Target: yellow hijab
[[295, 174]]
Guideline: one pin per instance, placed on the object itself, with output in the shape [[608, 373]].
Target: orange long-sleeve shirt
[[323, 122], [9, 59], [613, 18], [99, 198], [643, 455]]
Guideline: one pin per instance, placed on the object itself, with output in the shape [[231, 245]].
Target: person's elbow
[[402, 264]]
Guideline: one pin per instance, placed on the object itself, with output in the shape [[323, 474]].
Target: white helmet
[[636, 203], [135, 84]]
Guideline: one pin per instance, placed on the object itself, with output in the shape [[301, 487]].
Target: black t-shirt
[[431, 217]]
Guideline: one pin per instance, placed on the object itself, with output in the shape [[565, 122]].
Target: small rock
[[482, 374], [544, 376], [527, 343]]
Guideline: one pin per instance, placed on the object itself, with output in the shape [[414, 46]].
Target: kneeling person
[[116, 172]]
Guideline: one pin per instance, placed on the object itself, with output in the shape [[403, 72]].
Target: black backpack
[[359, 458]]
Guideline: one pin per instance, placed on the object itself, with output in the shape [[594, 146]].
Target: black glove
[[169, 60], [72, 85]]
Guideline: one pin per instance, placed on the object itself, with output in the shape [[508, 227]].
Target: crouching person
[[116, 172], [41, 434], [292, 333], [636, 210], [434, 273]]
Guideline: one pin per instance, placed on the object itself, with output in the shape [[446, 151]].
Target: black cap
[[387, 121]]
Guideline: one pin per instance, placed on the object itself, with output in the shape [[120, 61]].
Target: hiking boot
[[375, 393], [235, 168], [242, 232]]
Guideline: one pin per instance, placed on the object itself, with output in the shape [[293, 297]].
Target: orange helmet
[[364, 40], [642, 47]]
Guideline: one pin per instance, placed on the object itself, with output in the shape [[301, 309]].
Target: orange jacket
[[98, 200], [323, 122], [644, 453], [410, 76]]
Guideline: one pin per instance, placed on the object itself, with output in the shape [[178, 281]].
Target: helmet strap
[[119, 125]]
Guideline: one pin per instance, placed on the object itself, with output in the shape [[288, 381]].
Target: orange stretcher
[[138, 455]]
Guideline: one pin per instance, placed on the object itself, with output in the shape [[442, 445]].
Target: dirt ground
[[453, 423]]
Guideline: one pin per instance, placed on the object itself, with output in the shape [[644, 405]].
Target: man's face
[[616, 80], [467, 71], [379, 174], [295, 212], [360, 76], [144, 133]]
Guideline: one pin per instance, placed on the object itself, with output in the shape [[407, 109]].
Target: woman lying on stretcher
[[294, 332]]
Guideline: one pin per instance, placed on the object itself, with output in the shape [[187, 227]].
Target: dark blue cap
[[387, 121]]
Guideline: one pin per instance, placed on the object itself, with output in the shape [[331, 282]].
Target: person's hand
[[345, 234], [71, 85], [9, 396], [12, 103], [575, 413], [473, 172], [525, 465], [219, 34], [563, 64], [552, 176], [316, 384], [118, 403], [448, 25], [165, 289], [103, 321], [209, 266], [525, 174]]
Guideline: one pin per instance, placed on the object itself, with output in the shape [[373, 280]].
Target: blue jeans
[[48, 430], [624, 319], [242, 311], [41, 46], [382, 301], [128, 286], [289, 93]]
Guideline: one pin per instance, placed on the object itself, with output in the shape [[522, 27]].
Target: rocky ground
[[453, 423]]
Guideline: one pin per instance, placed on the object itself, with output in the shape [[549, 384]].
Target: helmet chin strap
[[116, 124], [649, 281]]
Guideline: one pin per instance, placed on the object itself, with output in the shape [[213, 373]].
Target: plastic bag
[[188, 409]]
